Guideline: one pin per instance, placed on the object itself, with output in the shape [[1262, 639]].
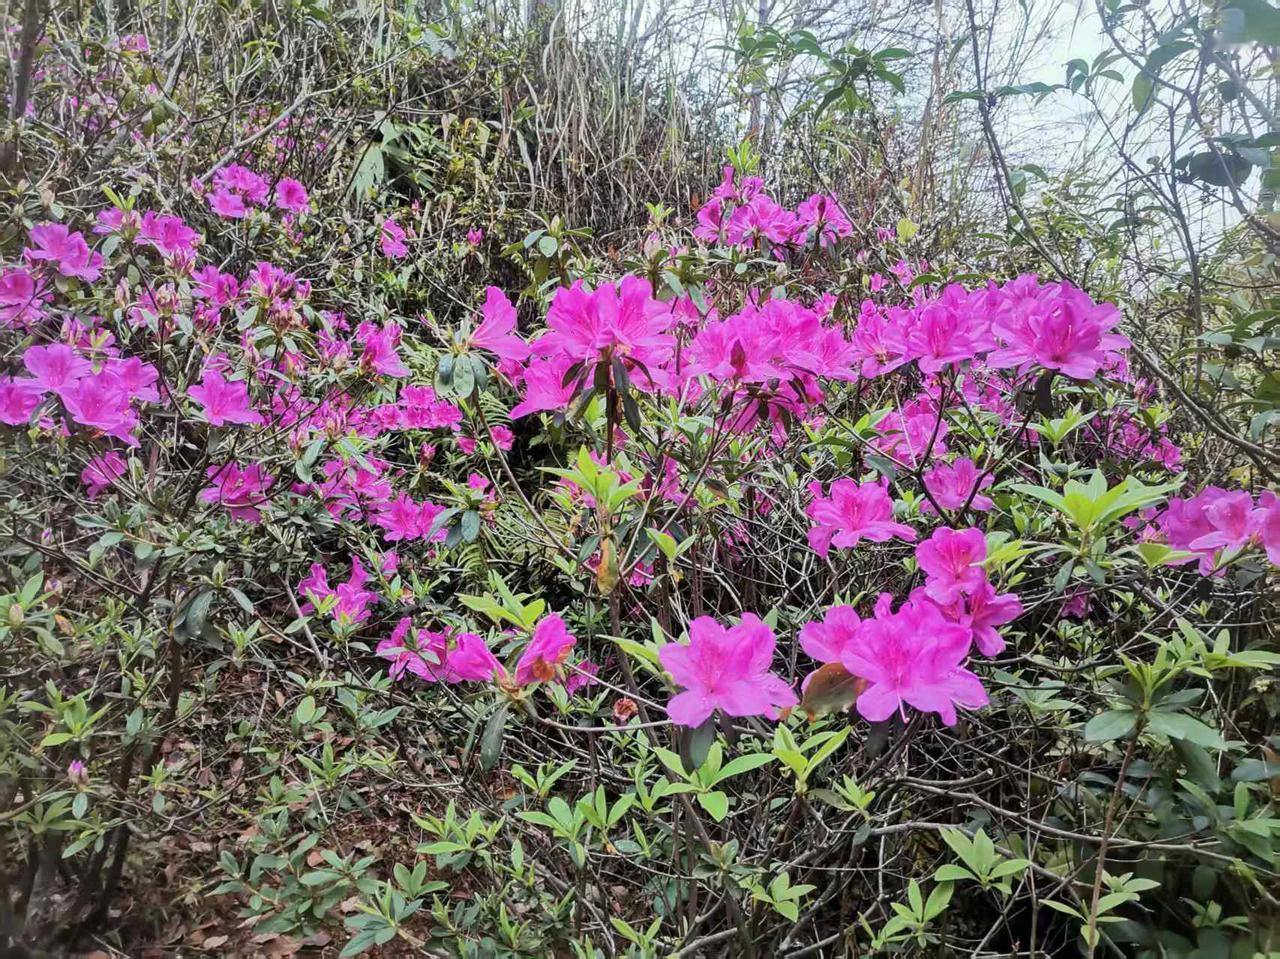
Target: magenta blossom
[[725, 669], [67, 251], [56, 366], [953, 485], [1234, 522], [392, 240], [496, 333], [438, 657], [547, 649], [102, 472], [1269, 525], [18, 400], [545, 388], [475, 237], [100, 401], [952, 563], [912, 658], [851, 514], [624, 322], [241, 491], [169, 235], [352, 599], [982, 611], [292, 196], [224, 401], [228, 205]]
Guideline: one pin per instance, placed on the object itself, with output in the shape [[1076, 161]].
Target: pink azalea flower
[[943, 334], [824, 214], [406, 650], [1058, 328], [496, 332], [1234, 521], [22, 297], [1076, 605], [228, 205], [68, 251], [982, 611], [102, 472], [1269, 525], [827, 639], [547, 649], [19, 398], [292, 196], [136, 378], [215, 286], [467, 445], [224, 401], [380, 345], [242, 181], [167, 234], [624, 322], [471, 660], [544, 387], [954, 484], [880, 342], [725, 669], [912, 658], [851, 514], [583, 677], [952, 563], [475, 237], [392, 240], [55, 366], [353, 600], [241, 491], [503, 438], [421, 409], [100, 402]]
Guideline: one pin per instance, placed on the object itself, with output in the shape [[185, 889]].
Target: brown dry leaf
[[213, 942]]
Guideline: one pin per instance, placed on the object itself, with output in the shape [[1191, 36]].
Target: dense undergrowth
[[447, 513]]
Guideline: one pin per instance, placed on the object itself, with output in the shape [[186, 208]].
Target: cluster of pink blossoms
[[237, 190], [912, 656], [96, 391], [744, 215], [1216, 522], [456, 657]]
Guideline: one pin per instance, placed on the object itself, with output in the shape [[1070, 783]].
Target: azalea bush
[[782, 584]]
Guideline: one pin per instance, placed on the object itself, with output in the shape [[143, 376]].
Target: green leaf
[[1182, 726], [1113, 724], [491, 739], [715, 803]]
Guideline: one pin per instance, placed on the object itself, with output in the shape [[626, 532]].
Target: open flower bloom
[[496, 331], [438, 656], [224, 401], [851, 514], [241, 491], [392, 240], [548, 648], [952, 485], [623, 321], [544, 387], [827, 640], [981, 612], [55, 366], [65, 251], [952, 563], [1269, 525], [912, 658], [725, 668]]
